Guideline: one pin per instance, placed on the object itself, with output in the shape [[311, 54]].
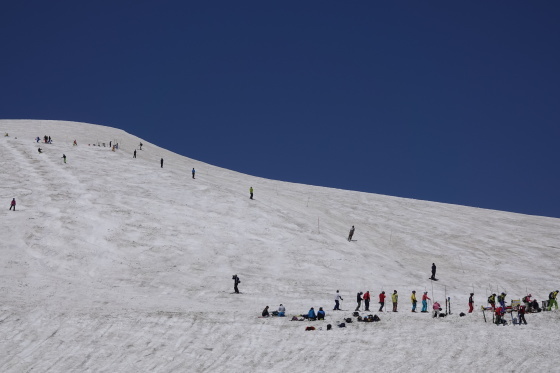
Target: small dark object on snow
[[329, 326], [342, 325], [462, 314]]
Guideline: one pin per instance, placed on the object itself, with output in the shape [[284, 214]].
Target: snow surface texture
[[114, 264]]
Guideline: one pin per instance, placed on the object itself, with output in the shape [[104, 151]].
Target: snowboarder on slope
[[433, 272], [351, 234], [395, 299], [193, 171], [471, 303], [251, 192], [236, 282], [413, 300], [337, 299], [359, 300], [381, 301], [13, 204], [425, 302]]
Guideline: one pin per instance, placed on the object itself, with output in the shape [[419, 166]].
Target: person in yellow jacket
[[552, 300], [413, 300], [251, 192], [395, 299]]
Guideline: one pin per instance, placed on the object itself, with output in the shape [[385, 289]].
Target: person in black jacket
[[265, 312], [433, 272], [236, 282], [359, 300]]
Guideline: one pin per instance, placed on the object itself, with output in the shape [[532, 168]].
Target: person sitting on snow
[[311, 314], [265, 312], [320, 314], [281, 311]]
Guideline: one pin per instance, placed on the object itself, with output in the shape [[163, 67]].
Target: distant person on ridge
[[351, 233], [161, 163], [134, 156], [13, 204], [433, 272], [236, 282], [381, 301], [471, 303], [395, 299], [140, 146], [64, 157], [425, 302], [251, 192], [359, 300], [193, 172], [337, 299]]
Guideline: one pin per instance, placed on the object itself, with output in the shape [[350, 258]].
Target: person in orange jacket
[[381, 301]]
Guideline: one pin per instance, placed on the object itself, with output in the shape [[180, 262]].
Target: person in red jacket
[[381, 301], [13, 204], [366, 299], [471, 303]]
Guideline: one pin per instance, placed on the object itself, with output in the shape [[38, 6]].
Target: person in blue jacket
[[311, 314], [320, 314]]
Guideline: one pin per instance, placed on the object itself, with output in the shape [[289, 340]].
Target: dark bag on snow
[[342, 325]]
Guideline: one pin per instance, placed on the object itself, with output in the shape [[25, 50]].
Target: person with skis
[[13, 204], [433, 272], [64, 157], [134, 155], [161, 163], [351, 234], [395, 299], [311, 315], [425, 302], [265, 312], [502, 300], [471, 303], [320, 314], [492, 301], [366, 299], [552, 300], [251, 193], [337, 300], [521, 315], [236, 282], [193, 172], [437, 309], [381, 301], [359, 300], [413, 300], [281, 311]]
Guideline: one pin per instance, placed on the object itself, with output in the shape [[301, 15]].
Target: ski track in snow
[[116, 264]]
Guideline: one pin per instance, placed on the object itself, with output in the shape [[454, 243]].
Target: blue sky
[[455, 102]]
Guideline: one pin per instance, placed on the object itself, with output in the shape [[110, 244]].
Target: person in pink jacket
[[13, 204], [437, 308]]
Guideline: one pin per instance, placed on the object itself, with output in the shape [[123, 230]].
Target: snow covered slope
[[114, 264]]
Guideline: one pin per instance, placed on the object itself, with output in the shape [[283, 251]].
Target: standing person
[[110, 142], [64, 157], [502, 300], [471, 303], [75, 143], [161, 163], [359, 300], [236, 282], [492, 301], [395, 299], [433, 272], [337, 300], [413, 300], [140, 146], [521, 315], [366, 299], [381, 301], [193, 171], [351, 233], [552, 300], [134, 156], [13, 204], [251, 192], [425, 302]]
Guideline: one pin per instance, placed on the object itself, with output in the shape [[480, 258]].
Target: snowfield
[[114, 264]]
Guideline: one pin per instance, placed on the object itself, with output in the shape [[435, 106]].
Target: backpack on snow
[[356, 314], [348, 320], [376, 318], [309, 328], [329, 326], [342, 325]]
